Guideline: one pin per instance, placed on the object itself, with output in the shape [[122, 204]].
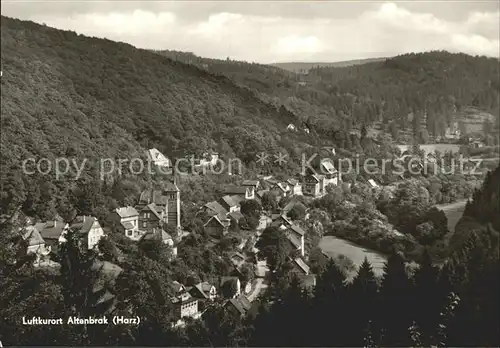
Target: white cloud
[[386, 30], [116, 25]]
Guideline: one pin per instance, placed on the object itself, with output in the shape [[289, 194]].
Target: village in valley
[[240, 211], [157, 217]]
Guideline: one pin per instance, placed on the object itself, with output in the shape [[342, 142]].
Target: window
[[144, 224], [145, 215], [129, 233]]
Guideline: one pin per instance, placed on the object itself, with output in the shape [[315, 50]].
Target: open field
[[333, 246]]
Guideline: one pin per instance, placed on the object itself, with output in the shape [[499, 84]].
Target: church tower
[[173, 206]]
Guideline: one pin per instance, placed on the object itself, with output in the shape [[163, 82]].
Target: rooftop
[[216, 207], [241, 304], [83, 224], [126, 212], [250, 183]]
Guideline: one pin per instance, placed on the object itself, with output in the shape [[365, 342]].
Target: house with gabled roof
[[89, 227], [52, 232], [127, 219], [217, 226], [151, 217], [184, 304], [33, 238], [229, 203], [204, 291], [158, 159], [214, 208], [331, 174], [36, 244], [239, 305], [313, 185]]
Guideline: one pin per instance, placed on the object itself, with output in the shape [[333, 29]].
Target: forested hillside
[[430, 89], [67, 95], [482, 213], [60, 88], [419, 93]]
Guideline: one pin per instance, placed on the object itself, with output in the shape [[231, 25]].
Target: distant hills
[[304, 67], [434, 90]]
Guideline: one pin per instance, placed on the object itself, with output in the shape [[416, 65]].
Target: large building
[[167, 203]]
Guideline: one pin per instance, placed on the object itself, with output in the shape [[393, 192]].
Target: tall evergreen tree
[[427, 299], [395, 304], [329, 297], [361, 300]]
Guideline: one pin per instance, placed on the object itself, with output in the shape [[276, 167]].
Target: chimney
[[55, 222]]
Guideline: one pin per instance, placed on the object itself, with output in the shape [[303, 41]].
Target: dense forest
[[416, 92], [455, 305]]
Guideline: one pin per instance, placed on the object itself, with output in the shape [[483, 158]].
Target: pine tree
[[361, 300], [395, 304], [329, 297], [427, 299]]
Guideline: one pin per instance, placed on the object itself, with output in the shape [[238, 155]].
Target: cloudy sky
[[279, 31]]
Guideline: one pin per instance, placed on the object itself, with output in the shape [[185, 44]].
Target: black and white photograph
[[277, 173]]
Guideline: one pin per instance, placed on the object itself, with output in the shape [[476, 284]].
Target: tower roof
[[171, 187]]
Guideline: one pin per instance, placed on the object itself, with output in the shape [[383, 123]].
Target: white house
[[36, 244], [331, 175], [158, 159], [295, 187], [90, 228], [128, 218]]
